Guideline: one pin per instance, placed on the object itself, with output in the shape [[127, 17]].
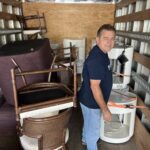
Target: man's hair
[[107, 27]]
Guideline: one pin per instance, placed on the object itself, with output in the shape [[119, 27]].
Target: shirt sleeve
[[96, 70]]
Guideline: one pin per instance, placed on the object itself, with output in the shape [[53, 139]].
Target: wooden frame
[[30, 87]]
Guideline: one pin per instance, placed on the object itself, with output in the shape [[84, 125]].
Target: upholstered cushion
[[1, 98], [29, 55], [7, 119], [41, 96]]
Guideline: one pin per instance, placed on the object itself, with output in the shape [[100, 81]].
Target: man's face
[[106, 40]]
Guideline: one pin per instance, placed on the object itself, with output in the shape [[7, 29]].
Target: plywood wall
[[72, 20]]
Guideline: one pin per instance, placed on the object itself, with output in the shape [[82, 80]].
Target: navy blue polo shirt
[[97, 67]]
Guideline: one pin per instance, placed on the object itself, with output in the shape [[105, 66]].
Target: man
[[96, 86]]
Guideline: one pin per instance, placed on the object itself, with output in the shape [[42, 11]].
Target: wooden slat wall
[[8, 16], [10, 26], [146, 112], [142, 36], [141, 57], [141, 137], [72, 20], [14, 3], [142, 15], [125, 3]]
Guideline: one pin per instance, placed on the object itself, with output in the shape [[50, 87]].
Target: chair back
[[52, 130]]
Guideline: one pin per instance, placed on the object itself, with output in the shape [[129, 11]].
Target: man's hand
[[107, 115]]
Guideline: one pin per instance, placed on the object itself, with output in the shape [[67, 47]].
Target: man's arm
[[98, 96]]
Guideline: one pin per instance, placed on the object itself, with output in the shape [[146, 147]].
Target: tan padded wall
[[72, 20]]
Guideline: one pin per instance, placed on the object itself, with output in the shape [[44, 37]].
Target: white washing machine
[[121, 128]]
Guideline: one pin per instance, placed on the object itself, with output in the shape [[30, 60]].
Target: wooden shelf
[[12, 2], [8, 16], [137, 16], [10, 31]]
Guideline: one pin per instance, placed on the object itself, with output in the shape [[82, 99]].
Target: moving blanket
[[29, 55]]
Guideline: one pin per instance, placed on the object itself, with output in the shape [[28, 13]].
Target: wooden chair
[[37, 100], [46, 133], [34, 26], [66, 55]]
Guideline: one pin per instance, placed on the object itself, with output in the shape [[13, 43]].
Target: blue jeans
[[91, 126]]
